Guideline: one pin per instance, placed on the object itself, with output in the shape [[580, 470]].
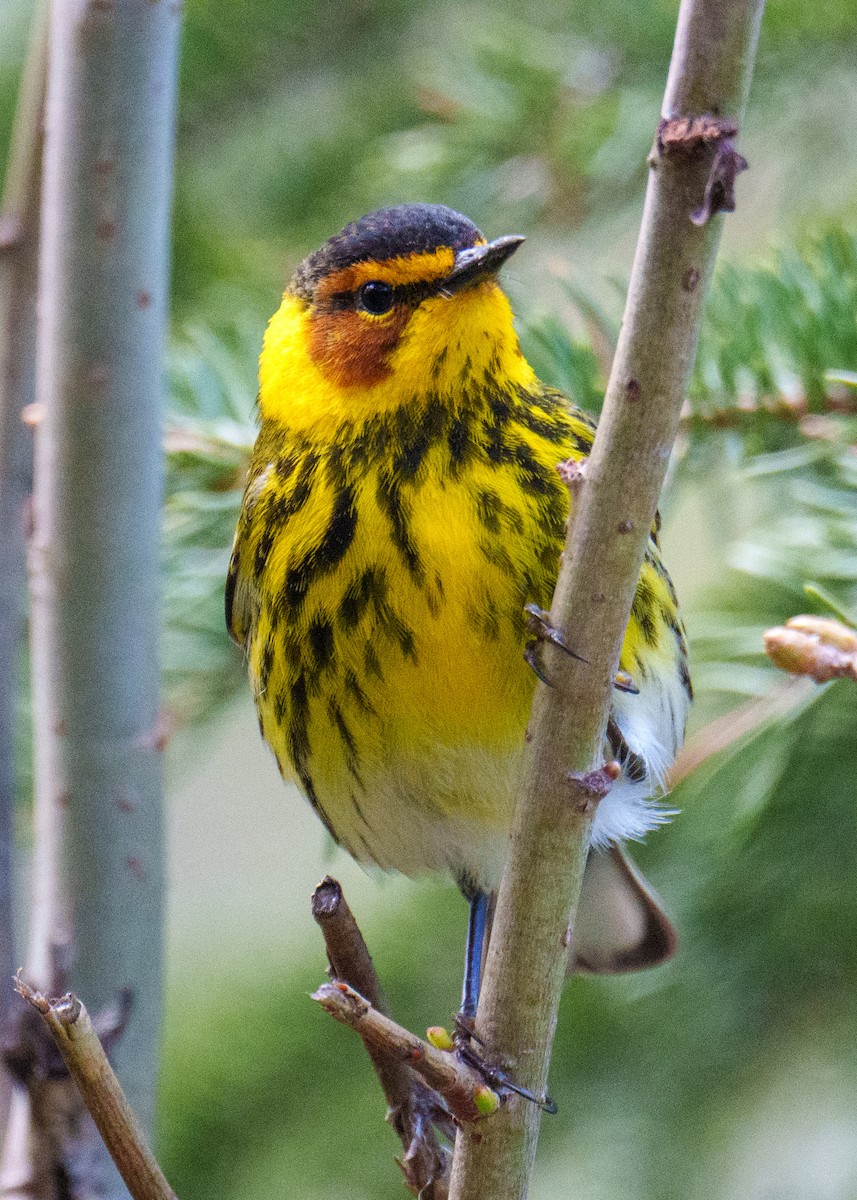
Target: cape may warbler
[[403, 507]]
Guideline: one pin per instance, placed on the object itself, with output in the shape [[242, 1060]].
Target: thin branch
[[616, 503], [78, 1043], [414, 1110], [347, 951], [463, 1090]]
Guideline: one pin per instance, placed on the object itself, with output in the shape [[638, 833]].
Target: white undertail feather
[[652, 724]]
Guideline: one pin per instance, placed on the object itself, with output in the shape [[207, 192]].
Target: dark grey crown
[[387, 233]]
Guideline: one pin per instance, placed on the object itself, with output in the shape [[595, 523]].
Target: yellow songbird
[[402, 509]]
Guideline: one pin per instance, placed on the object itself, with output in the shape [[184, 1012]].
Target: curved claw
[[624, 683], [545, 1102], [534, 662], [538, 623], [495, 1078]]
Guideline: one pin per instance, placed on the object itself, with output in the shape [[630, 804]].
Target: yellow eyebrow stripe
[[405, 269]]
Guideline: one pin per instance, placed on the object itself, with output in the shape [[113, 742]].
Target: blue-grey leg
[[477, 927], [480, 903]]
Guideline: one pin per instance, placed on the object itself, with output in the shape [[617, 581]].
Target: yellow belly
[[407, 669]]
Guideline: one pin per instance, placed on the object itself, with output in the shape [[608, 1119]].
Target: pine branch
[[735, 726], [525, 967]]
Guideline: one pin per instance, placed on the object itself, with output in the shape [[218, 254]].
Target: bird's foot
[[539, 624], [417, 1120], [470, 1048]]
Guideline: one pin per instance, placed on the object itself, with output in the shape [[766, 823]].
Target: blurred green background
[[730, 1071]]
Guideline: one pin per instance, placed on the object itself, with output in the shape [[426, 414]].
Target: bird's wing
[[241, 596]]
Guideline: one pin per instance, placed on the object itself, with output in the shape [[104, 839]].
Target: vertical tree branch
[[709, 77], [97, 875], [19, 222]]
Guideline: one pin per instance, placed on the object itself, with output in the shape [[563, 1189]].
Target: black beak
[[475, 264]]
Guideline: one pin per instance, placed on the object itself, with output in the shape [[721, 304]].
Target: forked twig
[[415, 1110], [462, 1089]]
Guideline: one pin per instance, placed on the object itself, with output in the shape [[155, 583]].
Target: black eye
[[375, 297]]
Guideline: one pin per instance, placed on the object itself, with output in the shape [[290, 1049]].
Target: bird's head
[[402, 303]]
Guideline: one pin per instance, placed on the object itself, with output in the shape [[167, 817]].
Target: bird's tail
[[620, 924]]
